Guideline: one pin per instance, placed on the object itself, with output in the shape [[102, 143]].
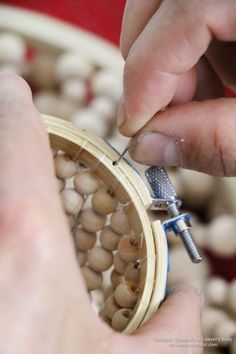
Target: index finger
[[170, 45]]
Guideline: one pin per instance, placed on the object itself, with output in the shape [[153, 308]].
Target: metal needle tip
[[115, 163]]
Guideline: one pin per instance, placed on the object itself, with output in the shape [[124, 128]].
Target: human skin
[[179, 54], [44, 305]]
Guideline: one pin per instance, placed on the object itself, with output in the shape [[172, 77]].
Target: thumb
[[196, 135], [177, 323]]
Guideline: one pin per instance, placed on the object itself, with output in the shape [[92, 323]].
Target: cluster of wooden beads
[[107, 250], [67, 85]]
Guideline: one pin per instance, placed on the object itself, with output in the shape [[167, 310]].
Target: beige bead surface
[[71, 220], [91, 221], [103, 202], [116, 278], [72, 65], [106, 83], [132, 272], [72, 201], [75, 90], [221, 238], [121, 319], [12, 49], [88, 119], [233, 346], [65, 167], [216, 291], [84, 240], [86, 182], [82, 258], [41, 74], [126, 294], [61, 184], [210, 318], [109, 239], [104, 317], [184, 270], [119, 264], [231, 298], [46, 101], [108, 292], [120, 222], [128, 249], [93, 280], [99, 259], [225, 329], [110, 307], [104, 106], [197, 187]]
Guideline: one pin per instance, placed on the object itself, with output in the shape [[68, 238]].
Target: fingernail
[[121, 117], [155, 148], [182, 287]]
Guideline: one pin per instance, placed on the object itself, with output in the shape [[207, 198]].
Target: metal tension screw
[[163, 190]]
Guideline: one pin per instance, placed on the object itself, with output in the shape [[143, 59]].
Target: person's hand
[[44, 305], [176, 52]]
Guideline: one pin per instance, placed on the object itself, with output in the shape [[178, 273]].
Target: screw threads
[[190, 246]]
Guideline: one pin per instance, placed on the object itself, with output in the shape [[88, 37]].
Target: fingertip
[[183, 291], [12, 85]]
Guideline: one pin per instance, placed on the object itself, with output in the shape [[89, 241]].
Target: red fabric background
[[100, 16]]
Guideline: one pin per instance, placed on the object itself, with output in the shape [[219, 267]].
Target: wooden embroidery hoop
[[129, 188]]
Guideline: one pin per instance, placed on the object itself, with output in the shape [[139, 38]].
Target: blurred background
[[78, 77]]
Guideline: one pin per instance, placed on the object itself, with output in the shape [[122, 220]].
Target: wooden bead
[[116, 278], [104, 106], [82, 258], [132, 272], [61, 184], [216, 291], [72, 65], [103, 202], [75, 90], [185, 271], [45, 101], [65, 167], [88, 119], [233, 346], [120, 319], [126, 294], [107, 83], [104, 317], [119, 264], [197, 188], [108, 291], [109, 239], [91, 221], [64, 108], [128, 248], [41, 74], [120, 222], [100, 259], [225, 329], [221, 238], [93, 280], [84, 240], [10, 69], [71, 221], [12, 49], [210, 318], [72, 201], [110, 307], [231, 298], [86, 182]]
